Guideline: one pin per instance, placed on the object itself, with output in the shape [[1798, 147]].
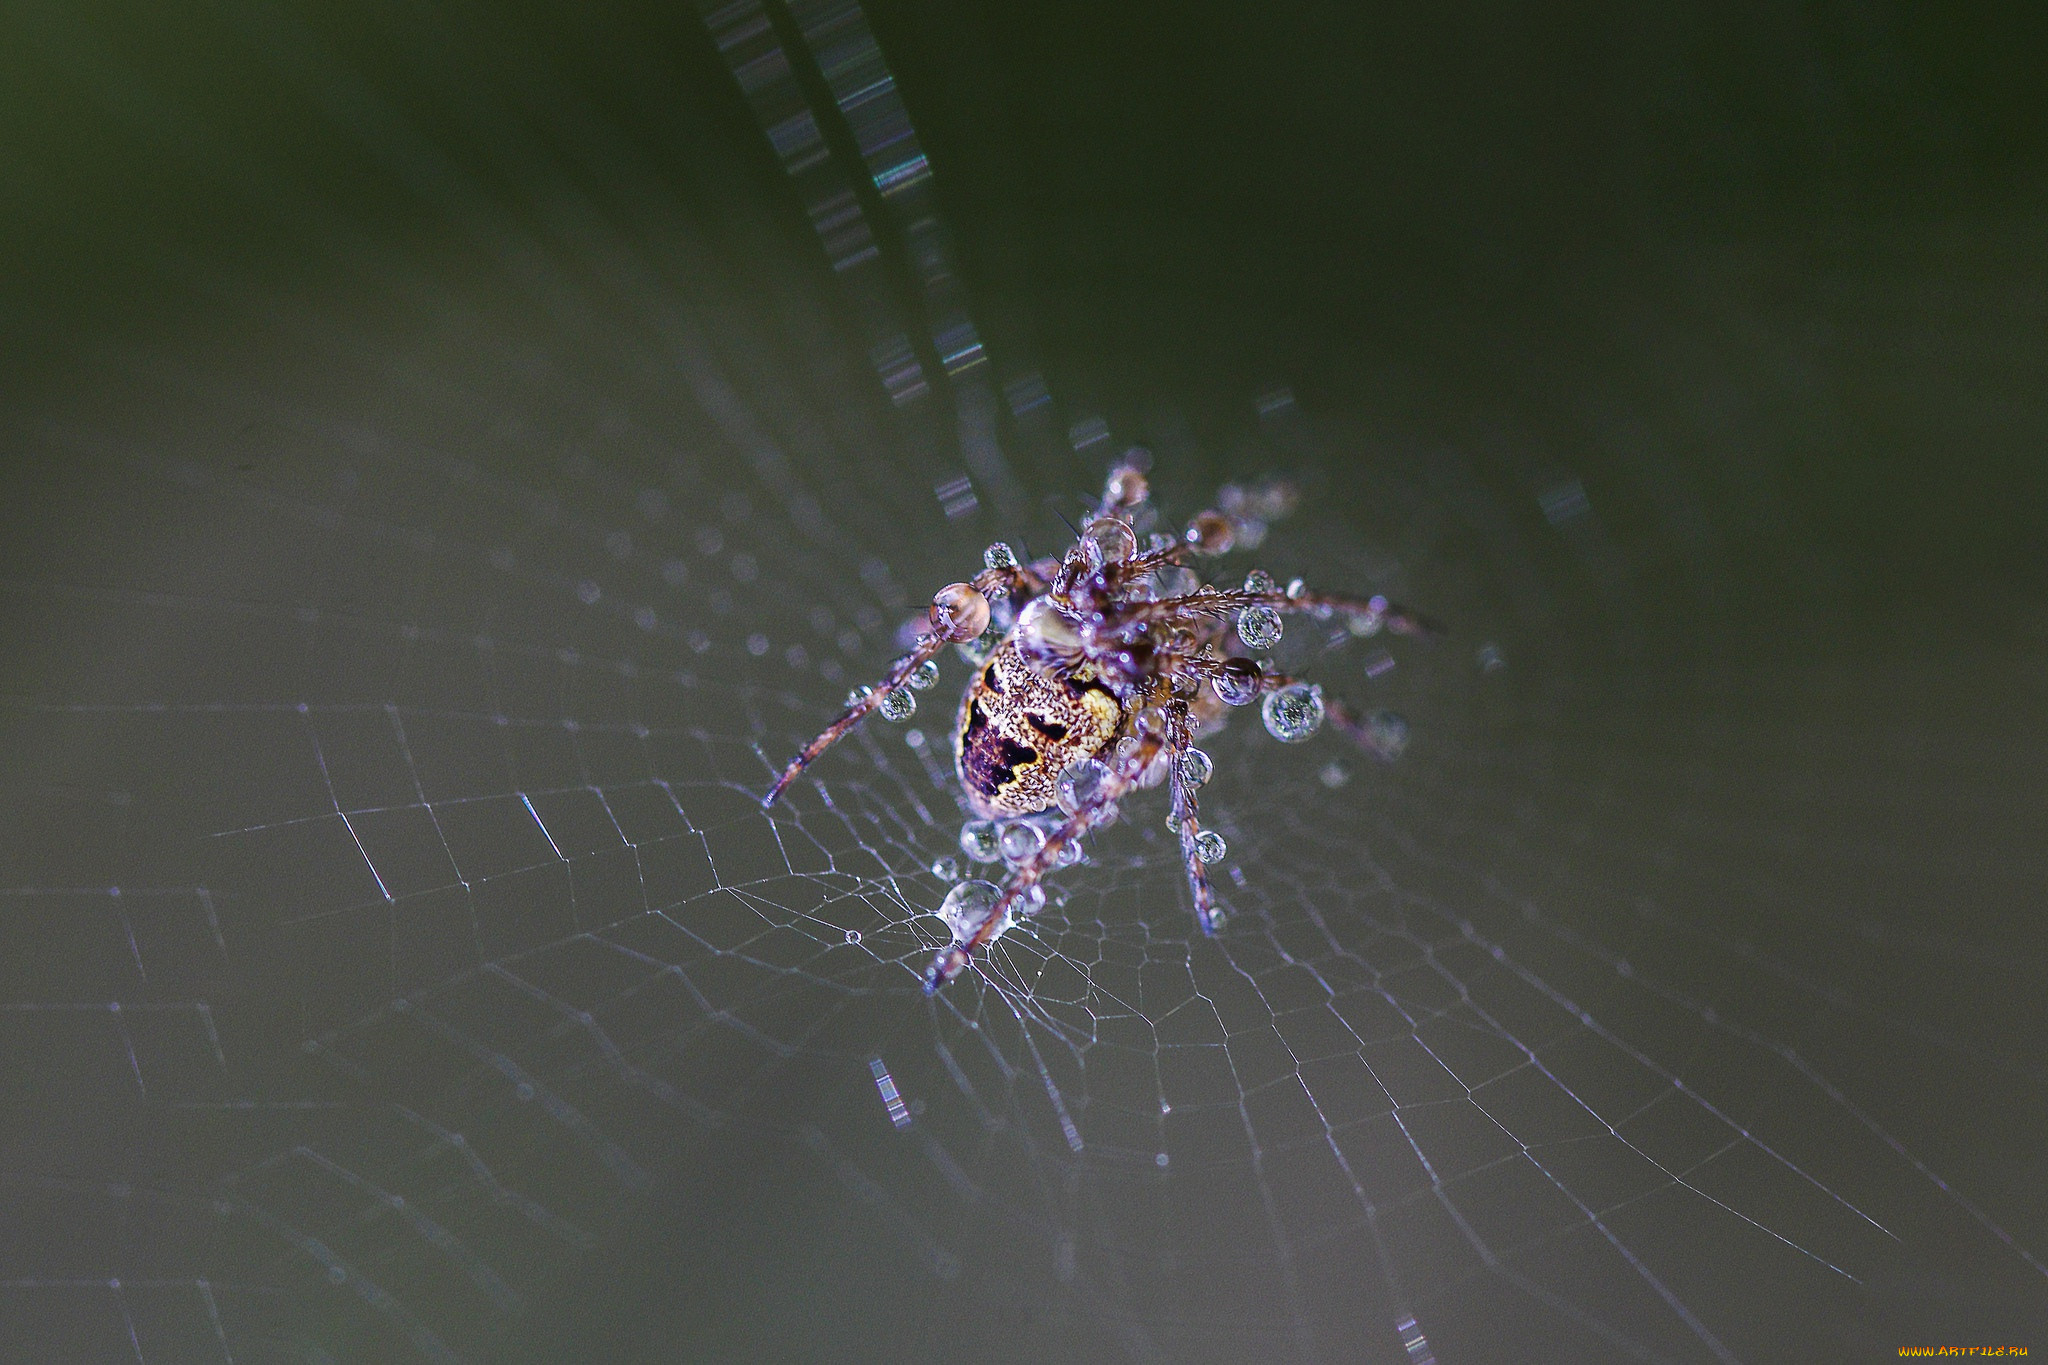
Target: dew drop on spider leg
[[1210, 846], [1070, 853], [1237, 682], [1259, 627], [1210, 533], [898, 705], [1294, 712], [1196, 767], [1258, 580], [1080, 783], [977, 650], [1019, 840], [1114, 540], [924, 676], [967, 907], [946, 868], [999, 556], [978, 841], [859, 695]]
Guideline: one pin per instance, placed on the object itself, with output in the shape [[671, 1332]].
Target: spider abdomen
[[1021, 726]]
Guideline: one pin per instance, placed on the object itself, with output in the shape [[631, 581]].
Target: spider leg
[[927, 647], [1377, 612], [959, 611], [1185, 808], [1374, 741], [1123, 775]]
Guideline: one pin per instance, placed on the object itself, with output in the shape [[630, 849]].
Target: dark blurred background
[[1688, 359]]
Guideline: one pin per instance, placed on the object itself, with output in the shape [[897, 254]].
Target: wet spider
[[1094, 673]]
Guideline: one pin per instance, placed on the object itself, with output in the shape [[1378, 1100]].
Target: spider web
[[401, 966]]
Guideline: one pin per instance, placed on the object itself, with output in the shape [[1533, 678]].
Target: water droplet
[[1258, 580], [1386, 734], [1259, 627], [1237, 683], [1196, 767], [898, 705], [1210, 846], [1069, 854], [978, 841], [858, 695], [1114, 540], [1020, 839], [946, 868], [1294, 712], [1080, 783], [968, 906], [1211, 533], [924, 675], [977, 650], [914, 738], [1296, 589], [999, 556]]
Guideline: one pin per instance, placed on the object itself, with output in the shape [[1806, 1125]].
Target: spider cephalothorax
[[1093, 674]]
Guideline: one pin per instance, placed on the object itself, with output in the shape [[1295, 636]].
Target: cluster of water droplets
[[1001, 616], [1014, 842]]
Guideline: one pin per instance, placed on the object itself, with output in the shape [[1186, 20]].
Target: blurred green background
[[1695, 354]]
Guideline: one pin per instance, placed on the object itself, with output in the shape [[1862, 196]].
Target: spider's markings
[[1019, 730]]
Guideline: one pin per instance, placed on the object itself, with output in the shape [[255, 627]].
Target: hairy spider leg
[[1179, 739], [1123, 776], [928, 646], [1392, 616]]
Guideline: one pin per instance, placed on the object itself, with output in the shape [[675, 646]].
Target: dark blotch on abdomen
[[988, 760]]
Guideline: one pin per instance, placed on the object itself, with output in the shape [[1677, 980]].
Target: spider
[[1094, 674]]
